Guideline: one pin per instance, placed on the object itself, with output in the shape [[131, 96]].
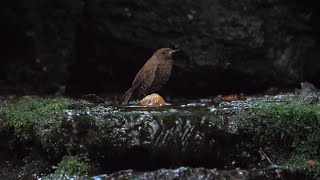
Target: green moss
[[32, 113], [57, 126], [299, 165], [71, 167], [39, 119], [283, 128], [74, 165]]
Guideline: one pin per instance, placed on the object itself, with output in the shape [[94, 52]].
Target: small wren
[[152, 76]]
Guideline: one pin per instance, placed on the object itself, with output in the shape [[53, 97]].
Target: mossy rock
[[283, 127], [171, 136]]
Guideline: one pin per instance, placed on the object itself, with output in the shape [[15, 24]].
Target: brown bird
[[152, 76]]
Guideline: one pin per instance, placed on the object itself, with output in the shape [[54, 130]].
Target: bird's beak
[[173, 51]]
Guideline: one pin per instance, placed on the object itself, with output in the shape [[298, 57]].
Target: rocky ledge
[[265, 136]]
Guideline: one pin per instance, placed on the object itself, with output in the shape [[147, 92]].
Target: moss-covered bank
[[73, 137]]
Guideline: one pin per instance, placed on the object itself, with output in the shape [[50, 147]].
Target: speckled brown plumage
[[152, 76]]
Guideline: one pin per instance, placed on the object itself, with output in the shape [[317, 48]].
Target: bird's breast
[[164, 71], [162, 75]]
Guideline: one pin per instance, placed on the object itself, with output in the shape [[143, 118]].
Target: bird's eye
[[163, 52]]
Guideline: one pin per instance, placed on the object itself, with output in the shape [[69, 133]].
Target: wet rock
[[311, 99], [307, 87], [147, 138], [204, 174], [309, 93]]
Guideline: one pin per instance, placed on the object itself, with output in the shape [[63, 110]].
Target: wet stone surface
[[253, 134], [196, 173]]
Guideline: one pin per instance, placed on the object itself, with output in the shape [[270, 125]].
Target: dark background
[[97, 46]]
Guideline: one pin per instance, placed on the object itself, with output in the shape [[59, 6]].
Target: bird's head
[[164, 53]]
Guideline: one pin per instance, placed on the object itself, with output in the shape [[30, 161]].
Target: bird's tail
[[126, 97]]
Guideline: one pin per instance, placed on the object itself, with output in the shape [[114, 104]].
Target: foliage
[[74, 165]]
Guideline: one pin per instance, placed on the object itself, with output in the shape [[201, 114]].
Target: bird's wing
[[149, 70]]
